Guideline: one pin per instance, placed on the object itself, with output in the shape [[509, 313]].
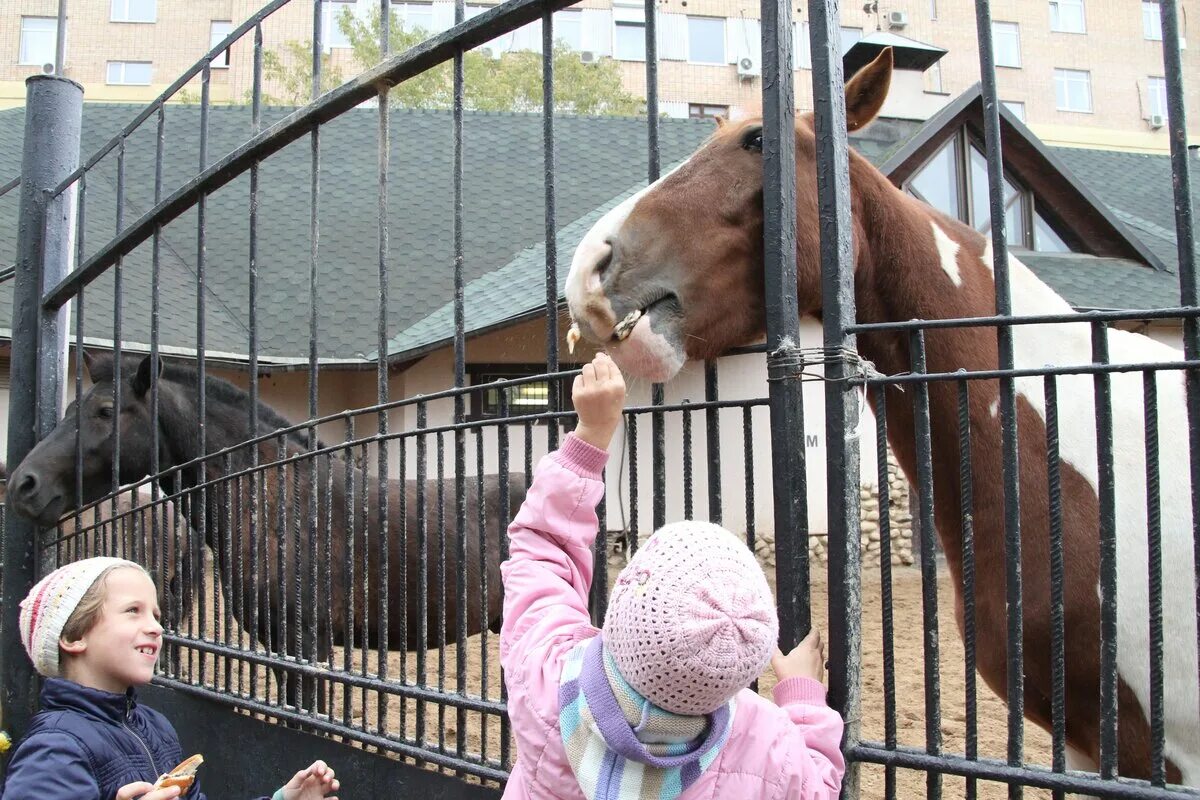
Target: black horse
[[285, 573]]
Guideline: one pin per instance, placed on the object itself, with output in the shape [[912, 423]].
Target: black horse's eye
[[105, 412], [752, 139]]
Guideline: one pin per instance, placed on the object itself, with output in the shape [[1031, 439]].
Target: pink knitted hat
[[51, 602], [691, 621]]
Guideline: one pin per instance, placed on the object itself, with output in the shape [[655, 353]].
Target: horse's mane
[[222, 391]]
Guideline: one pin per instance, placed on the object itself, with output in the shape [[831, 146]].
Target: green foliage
[[290, 77]]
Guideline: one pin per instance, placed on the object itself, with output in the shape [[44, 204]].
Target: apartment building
[[1079, 72]]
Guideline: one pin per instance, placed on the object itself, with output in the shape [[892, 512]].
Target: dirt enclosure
[[482, 733]]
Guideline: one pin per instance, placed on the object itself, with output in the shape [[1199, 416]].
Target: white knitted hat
[[49, 604], [691, 621]]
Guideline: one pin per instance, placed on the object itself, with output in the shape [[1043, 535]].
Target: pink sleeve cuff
[[585, 460], [805, 691]]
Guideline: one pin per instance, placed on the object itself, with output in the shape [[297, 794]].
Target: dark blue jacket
[[86, 744]]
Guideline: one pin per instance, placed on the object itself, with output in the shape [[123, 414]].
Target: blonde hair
[[87, 612]]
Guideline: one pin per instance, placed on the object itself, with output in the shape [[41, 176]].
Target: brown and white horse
[[676, 273]]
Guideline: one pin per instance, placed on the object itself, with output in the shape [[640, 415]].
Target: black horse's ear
[[143, 378], [99, 368]]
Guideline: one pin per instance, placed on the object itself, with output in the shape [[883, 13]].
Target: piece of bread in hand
[[182, 776]]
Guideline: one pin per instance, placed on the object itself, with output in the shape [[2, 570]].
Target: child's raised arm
[[549, 571]]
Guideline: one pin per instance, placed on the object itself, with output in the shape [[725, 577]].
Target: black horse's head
[[43, 485]]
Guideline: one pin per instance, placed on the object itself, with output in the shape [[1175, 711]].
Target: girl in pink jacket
[[655, 705]]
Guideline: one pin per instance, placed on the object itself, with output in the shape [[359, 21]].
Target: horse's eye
[[752, 140], [105, 412]]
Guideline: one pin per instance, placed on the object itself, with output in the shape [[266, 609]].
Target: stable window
[[522, 399], [38, 36], [1073, 90], [707, 111], [134, 10], [128, 73], [1066, 16], [1152, 21], [706, 40], [1156, 90], [217, 34], [1006, 36]]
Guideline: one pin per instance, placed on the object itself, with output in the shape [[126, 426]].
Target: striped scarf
[[620, 745]]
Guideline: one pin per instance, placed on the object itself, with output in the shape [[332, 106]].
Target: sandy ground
[[482, 733]]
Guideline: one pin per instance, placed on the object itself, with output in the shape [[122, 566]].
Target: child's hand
[[807, 660], [599, 396], [312, 783], [141, 790]]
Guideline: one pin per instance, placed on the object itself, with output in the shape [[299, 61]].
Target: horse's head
[[676, 272], [42, 487]]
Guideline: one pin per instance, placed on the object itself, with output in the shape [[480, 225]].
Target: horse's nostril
[[28, 485]]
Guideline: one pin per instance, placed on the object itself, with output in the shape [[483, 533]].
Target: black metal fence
[[332, 573]]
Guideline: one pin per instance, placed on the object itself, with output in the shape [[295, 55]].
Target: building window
[[568, 28], [1006, 36], [1066, 16], [331, 17], [1157, 96], [850, 37], [707, 111], [134, 10], [129, 73], [629, 43], [1152, 20], [1016, 107], [38, 35], [415, 16], [217, 33], [522, 399], [1073, 90], [706, 40]]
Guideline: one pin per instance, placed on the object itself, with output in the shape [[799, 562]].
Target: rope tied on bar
[[789, 361]]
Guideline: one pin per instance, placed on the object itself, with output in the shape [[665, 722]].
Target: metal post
[[54, 110]]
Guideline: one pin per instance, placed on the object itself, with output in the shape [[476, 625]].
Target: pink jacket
[[789, 750]]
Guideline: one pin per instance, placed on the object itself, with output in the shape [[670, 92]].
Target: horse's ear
[[99, 368], [145, 376], [867, 90], [721, 122]]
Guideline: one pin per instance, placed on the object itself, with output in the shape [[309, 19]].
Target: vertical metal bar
[[382, 366], [1185, 241], [1058, 660], [929, 598], [885, 581], [348, 586], [654, 170], [159, 533], [318, 44], [687, 464], [55, 105], [119, 548], [232, 490], [783, 324], [481, 531], [502, 451], [201, 343], [60, 38], [460, 461], [364, 566], [401, 602], [966, 513], [555, 387], [631, 429], [422, 568], [1008, 407], [748, 468], [314, 227], [1158, 771], [79, 317], [1108, 555], [712, 430], [441, 586]]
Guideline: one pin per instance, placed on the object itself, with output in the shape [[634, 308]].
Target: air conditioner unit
[[1156, 121], [47, 68], [897, 19], [748, 68], [589, 57]]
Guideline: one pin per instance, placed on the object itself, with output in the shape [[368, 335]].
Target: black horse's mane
[[222, 391]]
